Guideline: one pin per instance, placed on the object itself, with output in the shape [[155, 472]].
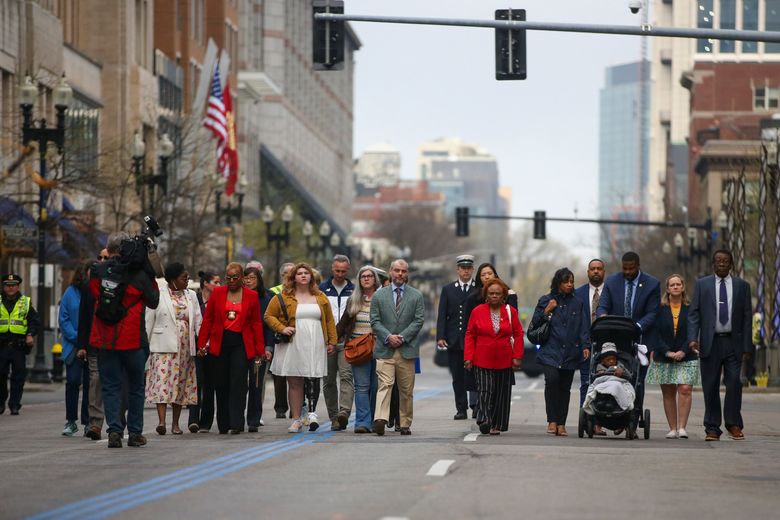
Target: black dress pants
[[280, 394], [202, 413], [230, 382], [13, 359], [723, 357], [254, 407], [455, 358], [557, 392]]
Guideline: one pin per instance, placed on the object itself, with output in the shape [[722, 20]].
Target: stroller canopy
[[621, 331]]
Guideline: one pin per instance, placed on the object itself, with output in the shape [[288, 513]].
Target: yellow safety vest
[[16, 322]]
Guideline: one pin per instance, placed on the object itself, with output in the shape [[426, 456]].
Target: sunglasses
[[234, 277], [102, 258]]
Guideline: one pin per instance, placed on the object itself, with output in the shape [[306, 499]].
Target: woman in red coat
[[232, 334], [494, 347]]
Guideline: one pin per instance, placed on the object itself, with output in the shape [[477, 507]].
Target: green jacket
[[407, 321]]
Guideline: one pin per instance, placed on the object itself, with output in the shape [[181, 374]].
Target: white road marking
[[471, 437], [440, 467], [517, 397], [533, 386]]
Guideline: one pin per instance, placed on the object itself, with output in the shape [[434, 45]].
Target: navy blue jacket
[[569, 334], [647, 300], [452, 321], [669, 341]]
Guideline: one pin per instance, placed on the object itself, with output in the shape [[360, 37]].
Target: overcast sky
[[416, 83]]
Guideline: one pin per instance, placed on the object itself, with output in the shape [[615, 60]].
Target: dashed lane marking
[[471, 437], [440, 467]]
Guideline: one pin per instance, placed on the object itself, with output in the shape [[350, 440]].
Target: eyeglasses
[[367, 277], [102, 258], [234, 277]]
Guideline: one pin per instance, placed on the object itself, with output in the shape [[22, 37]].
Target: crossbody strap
[[284, 308]]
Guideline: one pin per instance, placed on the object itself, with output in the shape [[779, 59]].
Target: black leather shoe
[[234, 431], [379, 427], [473, 414], [281, 415], [405, 431], [460, 416], [2, 409], [252, 429], [484, 428]]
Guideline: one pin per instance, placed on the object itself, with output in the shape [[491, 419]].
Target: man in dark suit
[[590, 294], [450, 328], [636, 295], [719, 330]]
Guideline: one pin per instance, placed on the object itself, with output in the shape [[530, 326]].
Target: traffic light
[[510, 47], [328, 36], [461, 222], [540, 222]]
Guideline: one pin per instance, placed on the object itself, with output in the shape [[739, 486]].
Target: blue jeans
[[364, 377], [77, 375], [110, 365]]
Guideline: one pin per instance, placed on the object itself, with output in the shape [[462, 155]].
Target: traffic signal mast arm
[[629, 30], [706, 225]]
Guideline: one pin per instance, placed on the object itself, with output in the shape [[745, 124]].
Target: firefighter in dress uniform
[[19, 324], [450, 329]]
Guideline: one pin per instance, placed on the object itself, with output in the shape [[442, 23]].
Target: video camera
[[140, 251]]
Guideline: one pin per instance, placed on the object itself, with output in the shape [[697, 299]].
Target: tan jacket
[[274, 316]]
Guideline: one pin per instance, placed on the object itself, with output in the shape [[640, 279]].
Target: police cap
[[11, 279]]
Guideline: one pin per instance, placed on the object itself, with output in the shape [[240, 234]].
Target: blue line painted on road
[[128, 497]]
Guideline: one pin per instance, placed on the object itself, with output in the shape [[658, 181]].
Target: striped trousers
[[495, 395]]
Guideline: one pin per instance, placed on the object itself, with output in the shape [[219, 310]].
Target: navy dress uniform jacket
[[452, 320]]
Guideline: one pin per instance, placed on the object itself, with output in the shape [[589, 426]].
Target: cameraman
[[19, 323], [122, 343]]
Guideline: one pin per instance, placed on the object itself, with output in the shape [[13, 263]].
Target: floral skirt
[[171, 379], [674, 373]]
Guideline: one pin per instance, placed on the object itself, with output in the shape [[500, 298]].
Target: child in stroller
[[610, 400]]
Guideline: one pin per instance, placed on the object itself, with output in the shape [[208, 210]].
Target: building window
[[196, 20], [772, 17], [766, 98], [728, 20], [750, 23], [81, 135], [704, 16]]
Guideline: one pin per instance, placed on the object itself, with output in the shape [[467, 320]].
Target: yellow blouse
[[675, 314]]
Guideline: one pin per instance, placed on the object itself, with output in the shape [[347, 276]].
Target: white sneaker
[[313, 421], [682, 434], [261, 423], [672, 434], [296, 426], [305, 417]]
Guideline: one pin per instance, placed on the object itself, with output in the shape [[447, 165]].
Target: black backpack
[[113, 285]]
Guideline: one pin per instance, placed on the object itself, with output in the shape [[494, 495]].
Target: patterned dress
[[171, 377]]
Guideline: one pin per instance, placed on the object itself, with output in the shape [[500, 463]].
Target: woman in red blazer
[[232, 333], [494, 347]]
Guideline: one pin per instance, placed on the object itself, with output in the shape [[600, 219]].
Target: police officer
[[451, 326], [19, 324]]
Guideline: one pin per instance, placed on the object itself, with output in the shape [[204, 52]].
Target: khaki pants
[[95, 392], [338, 399], [388, 371]]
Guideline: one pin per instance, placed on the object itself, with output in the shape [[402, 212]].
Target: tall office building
[[671, 70], [623, 150], [379, 165]]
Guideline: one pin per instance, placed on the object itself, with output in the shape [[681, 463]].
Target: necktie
[[398, 297], [594, 304], [465, 288], [723, 300], [629, 296]]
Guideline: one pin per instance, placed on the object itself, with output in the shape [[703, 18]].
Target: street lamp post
[[165, 150], [37, 131], [230, 212], [316, 249], [276, 238]]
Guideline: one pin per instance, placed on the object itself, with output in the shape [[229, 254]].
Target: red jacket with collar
[[212, 328], [486, 349]]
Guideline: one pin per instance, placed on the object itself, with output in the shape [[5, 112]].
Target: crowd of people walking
[[154, 340]]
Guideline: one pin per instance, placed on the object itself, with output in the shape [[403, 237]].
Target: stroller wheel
[[647, 425], [581, 424], [589, 425]]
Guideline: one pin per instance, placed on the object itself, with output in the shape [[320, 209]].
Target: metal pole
[[39, 373], [628, 30]]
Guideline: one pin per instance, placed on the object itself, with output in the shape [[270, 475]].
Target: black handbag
[[278, 336], [539, 334]]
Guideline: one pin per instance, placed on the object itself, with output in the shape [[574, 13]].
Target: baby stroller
[[625, 334]]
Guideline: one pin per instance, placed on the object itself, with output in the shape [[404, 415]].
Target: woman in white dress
[[302, 314]]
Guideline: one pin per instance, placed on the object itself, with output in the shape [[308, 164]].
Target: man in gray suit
[[719, 330], [397, 315]]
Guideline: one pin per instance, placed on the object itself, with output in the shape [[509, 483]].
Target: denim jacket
[[569, 331]]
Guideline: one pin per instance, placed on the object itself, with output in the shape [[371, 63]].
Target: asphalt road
[[445, 469]]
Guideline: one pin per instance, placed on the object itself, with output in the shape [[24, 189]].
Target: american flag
[[216, 121]]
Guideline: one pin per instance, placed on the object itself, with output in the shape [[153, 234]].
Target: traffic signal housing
[[540, 223], [510, 47], [328, 36], [461, 221]]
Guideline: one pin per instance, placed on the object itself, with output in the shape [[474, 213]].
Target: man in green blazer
[[397, 316]]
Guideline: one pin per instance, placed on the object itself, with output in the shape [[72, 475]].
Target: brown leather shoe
[[93, 433], [552, 428], [735, 433], [561, 432], [711, 436]]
